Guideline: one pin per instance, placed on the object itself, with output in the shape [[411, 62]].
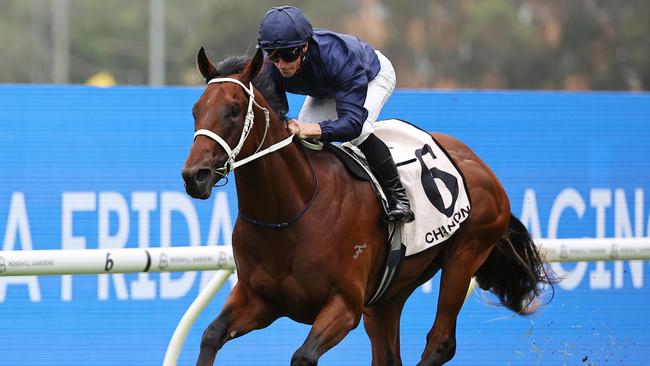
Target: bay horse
[[310, 241]]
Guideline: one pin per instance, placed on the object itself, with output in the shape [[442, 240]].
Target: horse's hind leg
[[462, 259], [332, 324], [242, 313], [382, 325]]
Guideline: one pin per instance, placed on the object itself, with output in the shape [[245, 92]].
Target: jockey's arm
[[349, 97], [347, 127]]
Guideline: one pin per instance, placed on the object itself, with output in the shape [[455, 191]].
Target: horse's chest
[[295, 295]]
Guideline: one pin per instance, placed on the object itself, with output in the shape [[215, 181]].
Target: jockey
[[346, 82]]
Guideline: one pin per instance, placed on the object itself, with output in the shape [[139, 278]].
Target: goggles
[[290, 54]]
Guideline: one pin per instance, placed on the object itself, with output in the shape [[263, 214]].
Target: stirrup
[[399, 214]]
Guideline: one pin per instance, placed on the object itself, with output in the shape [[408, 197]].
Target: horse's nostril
[[202, 176], [186, 173]]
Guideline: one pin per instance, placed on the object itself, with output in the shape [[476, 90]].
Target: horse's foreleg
[[332, 324], [242, 313], [460, 264], [382, 325]]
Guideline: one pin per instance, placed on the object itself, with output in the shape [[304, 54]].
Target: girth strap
[[394, 260]]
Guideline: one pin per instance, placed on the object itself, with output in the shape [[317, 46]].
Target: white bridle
[[231, 164]]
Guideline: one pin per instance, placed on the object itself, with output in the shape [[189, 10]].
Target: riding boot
[[383, 167], [399, 208]]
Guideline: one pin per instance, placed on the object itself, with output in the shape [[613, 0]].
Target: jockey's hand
[[304, 130]]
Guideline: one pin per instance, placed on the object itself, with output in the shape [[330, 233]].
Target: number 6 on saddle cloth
[[431, 188]]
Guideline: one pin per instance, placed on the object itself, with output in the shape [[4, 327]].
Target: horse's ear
[[253, 68], [205, 66]]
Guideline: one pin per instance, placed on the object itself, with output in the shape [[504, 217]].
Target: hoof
[[302, 359], [442, 353]]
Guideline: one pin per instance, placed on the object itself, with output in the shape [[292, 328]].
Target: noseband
[[231, 164]]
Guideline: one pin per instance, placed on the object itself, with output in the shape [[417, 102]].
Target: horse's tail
[[515, 271]]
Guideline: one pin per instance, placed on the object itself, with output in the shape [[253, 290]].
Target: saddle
[[358, 168]]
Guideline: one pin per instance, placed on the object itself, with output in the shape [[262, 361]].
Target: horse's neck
[[277, 186]]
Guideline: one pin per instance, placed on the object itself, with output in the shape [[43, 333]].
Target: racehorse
[[310, 241]]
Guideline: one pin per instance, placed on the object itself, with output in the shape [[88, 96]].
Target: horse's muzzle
[[198, 181]]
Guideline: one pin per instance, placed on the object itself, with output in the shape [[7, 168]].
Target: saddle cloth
[[434, 185]]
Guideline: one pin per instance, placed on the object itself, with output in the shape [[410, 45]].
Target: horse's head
[[223, 118]]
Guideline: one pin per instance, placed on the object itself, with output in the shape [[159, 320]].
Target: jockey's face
[[288, 68]]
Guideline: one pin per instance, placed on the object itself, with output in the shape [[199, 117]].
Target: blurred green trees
[[523, 44]]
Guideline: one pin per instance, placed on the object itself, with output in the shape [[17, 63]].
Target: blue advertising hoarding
[[84, 167]]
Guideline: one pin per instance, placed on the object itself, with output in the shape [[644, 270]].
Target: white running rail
[[131, 260], [187, 321], [589, 249]]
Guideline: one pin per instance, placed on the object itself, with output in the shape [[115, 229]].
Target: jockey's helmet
[[284, 27]]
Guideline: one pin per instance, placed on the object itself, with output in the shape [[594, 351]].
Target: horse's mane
[[262, 82]]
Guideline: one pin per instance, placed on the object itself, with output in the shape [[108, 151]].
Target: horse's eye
[[235, 111]]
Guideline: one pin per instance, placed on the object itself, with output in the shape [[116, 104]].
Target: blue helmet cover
[[282, 27]]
